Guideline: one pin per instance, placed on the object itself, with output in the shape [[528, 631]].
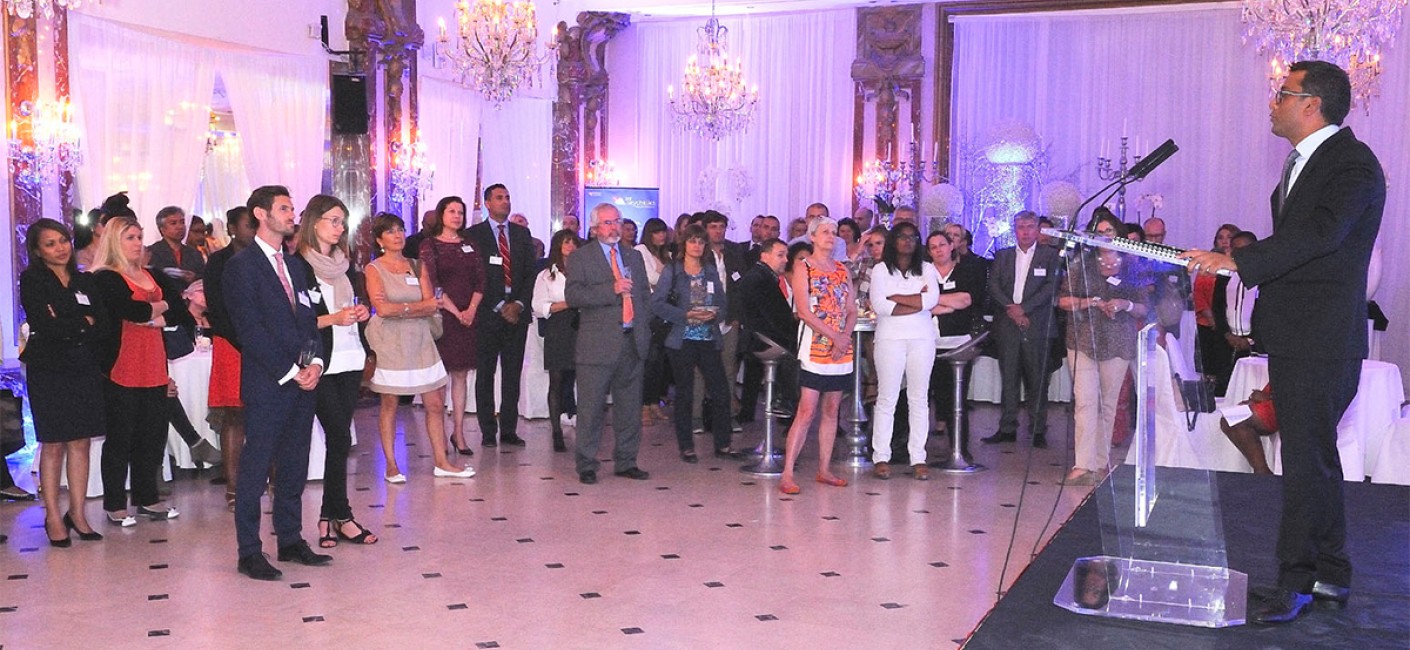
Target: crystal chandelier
[[26, 8], [1349, 33], [411, 174], [44, 142], [497, 47], [714, 101]]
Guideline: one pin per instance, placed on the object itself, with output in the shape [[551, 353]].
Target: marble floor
[[523, 556]]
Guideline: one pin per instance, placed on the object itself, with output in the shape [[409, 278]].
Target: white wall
[[279, 25]]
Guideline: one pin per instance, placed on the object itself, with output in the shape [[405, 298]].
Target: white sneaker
[[464, 473]]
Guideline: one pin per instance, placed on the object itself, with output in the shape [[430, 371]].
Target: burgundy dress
[[455, 268]]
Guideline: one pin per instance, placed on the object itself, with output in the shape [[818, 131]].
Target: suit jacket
[[164, 258], [765, 309], [1038, 291], [589, 290], [272, 332], [521, 268], [735, 266], [58, 322], [215, 296], [1311, 273]]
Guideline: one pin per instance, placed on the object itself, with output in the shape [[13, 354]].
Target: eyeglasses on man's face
[[1278, 96]]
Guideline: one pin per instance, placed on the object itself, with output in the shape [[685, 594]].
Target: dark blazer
[[215, 296], [674, 279], [764, 309], [1311, 273], [735, 266], [119, 305], [272, 332], [1038, 291], [321, 307], [589, 290], [164, 258], [57, 321], [522, 266], [969, 277]]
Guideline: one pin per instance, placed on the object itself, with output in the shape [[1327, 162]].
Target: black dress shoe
[[587, 478], [1281, 606], [302, 554], [1326, 595], [488, 442], [258, 567], [690, 457], [998, 438], [558, 443], [1040, 441], [635, 473], [514, 440], [729, 454]]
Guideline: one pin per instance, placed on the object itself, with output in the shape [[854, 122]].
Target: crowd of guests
[[292, 323]]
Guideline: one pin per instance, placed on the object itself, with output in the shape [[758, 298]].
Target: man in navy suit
[[1311, 313], [280, 364]]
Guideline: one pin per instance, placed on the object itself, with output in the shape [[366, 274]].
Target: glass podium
[[1163, 540]]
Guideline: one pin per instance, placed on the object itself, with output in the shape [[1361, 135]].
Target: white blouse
[[347, 354], [548, 289], [920, 325], [653, 266]]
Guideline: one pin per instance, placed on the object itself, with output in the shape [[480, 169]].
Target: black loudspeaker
[[349, 104]]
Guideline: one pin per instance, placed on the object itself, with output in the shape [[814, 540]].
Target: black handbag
[[1198, 395]]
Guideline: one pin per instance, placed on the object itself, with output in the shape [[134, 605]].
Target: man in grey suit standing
[[613, 337], [1022, 284]]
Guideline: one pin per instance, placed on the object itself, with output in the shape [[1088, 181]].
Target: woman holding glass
[[323, 243], [65, 385], [457, 277], [825, 302], [401, 336], [690, 297]]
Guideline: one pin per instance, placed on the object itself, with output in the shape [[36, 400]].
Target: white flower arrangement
[[943, 200], [1060, 199], [1012, 142], [1156, 201]]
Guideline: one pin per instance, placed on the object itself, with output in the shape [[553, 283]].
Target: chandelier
[[1349, 33], [25, 8], [714, 101], [43, 142], [411, 174], [497, 48]]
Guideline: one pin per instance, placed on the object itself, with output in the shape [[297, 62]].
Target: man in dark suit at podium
[[1311, 311], [507, 251], [281, 360]]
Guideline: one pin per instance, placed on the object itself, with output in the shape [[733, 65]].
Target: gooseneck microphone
[[1150, 162]]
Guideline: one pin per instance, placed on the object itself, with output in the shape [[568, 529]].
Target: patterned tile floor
[[523, 556]]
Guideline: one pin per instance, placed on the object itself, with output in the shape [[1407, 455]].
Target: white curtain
[[518, 139], [224, 184], [450, 128], [799, 149], [1082, 79], [143, 101], [280, 104]]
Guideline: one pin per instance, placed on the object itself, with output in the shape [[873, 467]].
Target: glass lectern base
[[1163, 592]]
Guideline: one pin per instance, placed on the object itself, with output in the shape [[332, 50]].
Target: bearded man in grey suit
[[613, 336]]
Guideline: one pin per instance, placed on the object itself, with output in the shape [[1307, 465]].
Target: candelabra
[[411, 175], [26, 8], [1107, 172], [497, 49], [44, 142], [893, 184]]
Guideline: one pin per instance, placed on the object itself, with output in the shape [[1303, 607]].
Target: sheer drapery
[[280, 104], [518, 139], [1082, 79], [143, 101], [224, 184], [797, 152], [450, 128]]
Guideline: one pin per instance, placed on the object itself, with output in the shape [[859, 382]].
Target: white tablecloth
[[533, 383], [987, 385]]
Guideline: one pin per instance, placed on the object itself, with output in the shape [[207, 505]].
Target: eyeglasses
[[1278, 96], [337, 223], [609, 222]]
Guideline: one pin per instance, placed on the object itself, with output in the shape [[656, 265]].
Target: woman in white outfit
[[904, 288]]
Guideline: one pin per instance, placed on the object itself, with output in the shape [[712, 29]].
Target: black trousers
[[499, 344], [657, 376], [702, 355], [335, 400], [1312, 395], [176, 413], [137, 422]]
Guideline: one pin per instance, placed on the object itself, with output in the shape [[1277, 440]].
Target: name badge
[[1114, 281], [734, 276], [413, 281], [315, 295], [171, 328], [710, 288], [1040, 273], [303, 300], [81, 297], [948, 285], [496, 260], [467, 248]]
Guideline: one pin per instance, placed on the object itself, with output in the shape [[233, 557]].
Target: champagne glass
[[307, 353]]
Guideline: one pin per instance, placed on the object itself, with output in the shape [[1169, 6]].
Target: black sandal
[[326, 539], [362, 533]]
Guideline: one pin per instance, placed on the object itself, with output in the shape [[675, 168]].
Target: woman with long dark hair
[[323, 243], [558, 323], [1213, 354], [454, 268], [65, 384], [655, 249]]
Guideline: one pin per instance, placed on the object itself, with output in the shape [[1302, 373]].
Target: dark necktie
[[1283, 186], [504, 255]]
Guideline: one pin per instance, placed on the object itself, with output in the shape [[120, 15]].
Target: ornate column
[[888, 70], [21, 55], [580, 110]]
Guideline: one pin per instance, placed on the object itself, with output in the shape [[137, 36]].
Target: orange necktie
[[627, 312]]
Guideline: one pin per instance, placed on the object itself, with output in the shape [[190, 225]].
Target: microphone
[[1150, 162]]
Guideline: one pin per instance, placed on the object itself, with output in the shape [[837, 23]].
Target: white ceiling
[[658, 9]]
